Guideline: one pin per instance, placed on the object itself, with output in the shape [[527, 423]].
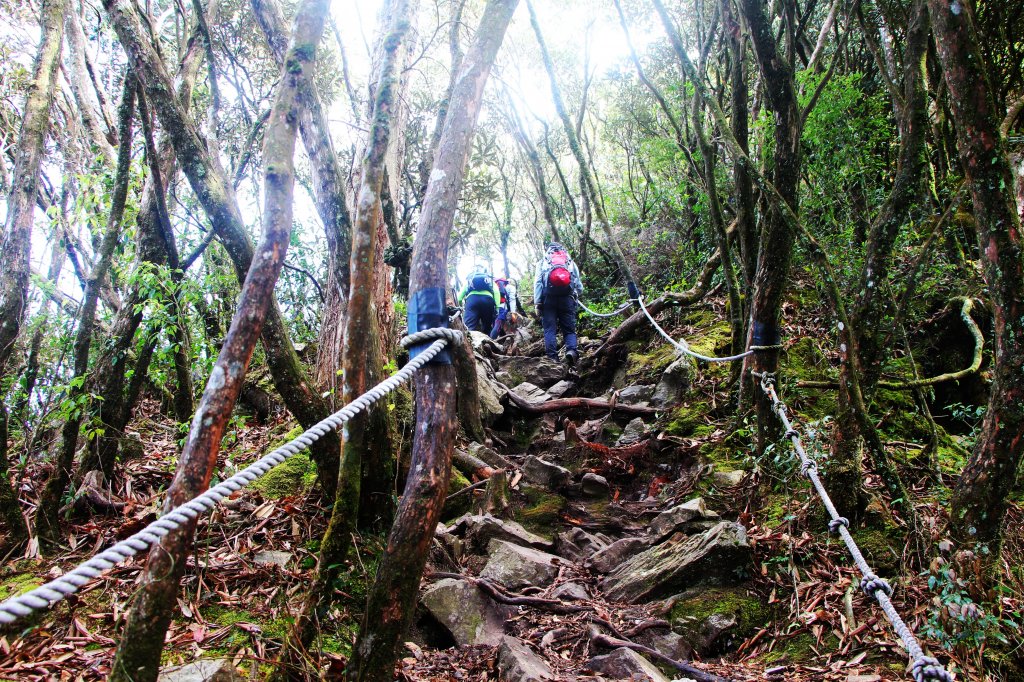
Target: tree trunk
[[47, 517], [16, 240], [360, 343], [217, 197], [393, 595], [979, 500], [138, 655], [866, 351]]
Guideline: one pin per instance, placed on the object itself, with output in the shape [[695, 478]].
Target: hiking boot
[[571, 358]]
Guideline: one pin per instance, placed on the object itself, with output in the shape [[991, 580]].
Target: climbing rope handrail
[[684, 347], [924, 668], [622, 308], [52, 592]]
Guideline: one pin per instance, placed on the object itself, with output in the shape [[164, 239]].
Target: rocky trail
[[613, 527]]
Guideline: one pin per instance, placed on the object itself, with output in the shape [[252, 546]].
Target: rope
[[684, 347], [924, 668], [43, 597], [622, 308]]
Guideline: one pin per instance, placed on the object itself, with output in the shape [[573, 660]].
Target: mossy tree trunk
[[361, 359], [979, 500], [393, 595], [16, 240], [138, 655]]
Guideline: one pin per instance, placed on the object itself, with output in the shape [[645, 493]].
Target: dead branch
[[559, 404]]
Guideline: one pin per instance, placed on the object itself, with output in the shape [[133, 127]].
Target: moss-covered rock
[[647, 367], [541, 510], [291, 477], [882, 548], [18, 583], [796, 649], [714, 620], [457, 506], [687, 419]]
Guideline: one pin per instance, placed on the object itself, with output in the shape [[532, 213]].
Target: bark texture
[[393, 595], [138, 655], [16, 240], [979, 500]]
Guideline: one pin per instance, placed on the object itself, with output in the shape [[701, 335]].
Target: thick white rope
[[622, 308], [43, 597], [924, 668], [684, 347]]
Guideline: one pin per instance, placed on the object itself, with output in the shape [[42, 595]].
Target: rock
[[490, 394], [482, 452], [479, 339], [478, 530], [593, 485], [675, 518], [715, 620], [577, 544], [665, 642], [469, 616], [273, 558], [560, 389], [634, 432], [570, 592], [541, 372], [531, 393], [517, 567], [636, 395], [544, 473], [517, 663], [728, 479], [674, 383], [719, 556], [624, 664], [203, 670], [609, 558]]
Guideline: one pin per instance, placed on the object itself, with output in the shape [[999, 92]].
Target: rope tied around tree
[[924, 668], [54, 591]]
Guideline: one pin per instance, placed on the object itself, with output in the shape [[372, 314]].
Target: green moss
[[776, 511], [689, 613], [17, 584], [646, 368], [796, 649], [882, 548], [461, 504], [272, 628], [291, 477], [713, 339], [541, 510], [685, 420]]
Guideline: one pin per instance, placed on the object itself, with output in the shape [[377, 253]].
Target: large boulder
[[577, 544], [625, 664], [517, 663], [517, 567], [634, 432], [674, 383], [540, 372], [463, 610], [477, 531], [611, 557], [544, 473], [636, 395], [720, 556], [203, 670], [714, 621], [489, 393], [531, 393], [679, 517]]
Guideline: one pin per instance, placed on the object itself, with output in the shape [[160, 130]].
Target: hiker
[[555, 290], [506, 308], [480, 299]]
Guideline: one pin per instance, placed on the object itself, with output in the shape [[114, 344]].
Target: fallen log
[[559, 404], [474, 467]]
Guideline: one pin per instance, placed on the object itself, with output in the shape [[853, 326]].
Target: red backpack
[[559, 276]]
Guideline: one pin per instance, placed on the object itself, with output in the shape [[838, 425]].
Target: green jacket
[[468, 290]]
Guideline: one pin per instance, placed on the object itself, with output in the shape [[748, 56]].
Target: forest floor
[[808, 620]]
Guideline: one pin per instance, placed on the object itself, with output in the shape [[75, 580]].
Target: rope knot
[[927, 668], [791, 433], [872, 584], [808, 466], [835, 524]]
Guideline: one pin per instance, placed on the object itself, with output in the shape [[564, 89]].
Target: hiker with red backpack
[[480, 298], [555, 290]]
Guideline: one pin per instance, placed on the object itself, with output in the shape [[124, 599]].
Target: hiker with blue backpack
[[556, 287], [480, 298]]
